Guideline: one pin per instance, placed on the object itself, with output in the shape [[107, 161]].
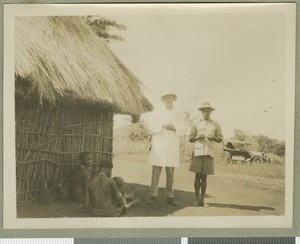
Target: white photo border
[[10, 219]]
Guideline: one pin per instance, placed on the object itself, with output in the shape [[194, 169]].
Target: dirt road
[[225, 194]]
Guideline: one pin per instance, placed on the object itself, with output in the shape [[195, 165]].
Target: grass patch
[[265, 175]]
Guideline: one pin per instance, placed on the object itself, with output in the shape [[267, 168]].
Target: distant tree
[[279, 149], [240, 135], [188, 118], [264, 143], [269, 145], [261, 143], [103, 27], [139, 131]]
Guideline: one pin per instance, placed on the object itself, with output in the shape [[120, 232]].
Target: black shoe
[[151, 201], [172, 201]]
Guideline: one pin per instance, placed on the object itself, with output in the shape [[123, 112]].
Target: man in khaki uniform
[[204, 133]]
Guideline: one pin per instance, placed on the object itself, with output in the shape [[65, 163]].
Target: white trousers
[[156, 172]]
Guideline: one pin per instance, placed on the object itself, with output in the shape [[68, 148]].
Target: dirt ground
[[226, 196]]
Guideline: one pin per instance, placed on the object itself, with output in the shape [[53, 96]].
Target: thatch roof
[[61, 56]]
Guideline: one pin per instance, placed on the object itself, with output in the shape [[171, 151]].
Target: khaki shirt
[[208, 128]]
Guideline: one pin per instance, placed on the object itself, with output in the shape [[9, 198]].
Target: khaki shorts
[[203, 165]]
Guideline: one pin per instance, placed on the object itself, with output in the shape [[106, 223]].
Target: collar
[[209, 120], [163, 107]]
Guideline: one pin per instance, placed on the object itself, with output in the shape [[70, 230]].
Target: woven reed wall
[[87, 129], [49, 141]]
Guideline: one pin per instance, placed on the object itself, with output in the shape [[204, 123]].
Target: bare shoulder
[[92, 182], [111, 181]]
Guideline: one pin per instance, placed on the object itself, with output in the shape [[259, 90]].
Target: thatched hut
[[68, 86]]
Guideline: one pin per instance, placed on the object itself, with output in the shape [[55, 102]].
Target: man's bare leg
[[128, 206], [197, 186], [203, 190], [131, 195]]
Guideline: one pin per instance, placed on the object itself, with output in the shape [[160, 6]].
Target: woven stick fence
[[49, 141], [89, 131]]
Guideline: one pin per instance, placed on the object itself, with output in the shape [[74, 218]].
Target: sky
[[234, 61]]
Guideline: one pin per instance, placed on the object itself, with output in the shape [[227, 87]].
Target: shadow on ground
[[161, 208], [241, 207], [60, 209]]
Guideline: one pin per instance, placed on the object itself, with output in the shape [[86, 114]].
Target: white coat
[[165, 143]]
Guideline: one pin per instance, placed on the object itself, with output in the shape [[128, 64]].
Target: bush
[[139, 131], [269, 145], [240, 135], [261, 143], [279, 149]]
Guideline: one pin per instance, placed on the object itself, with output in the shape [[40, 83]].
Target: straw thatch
[[68, 86], [59, 57]]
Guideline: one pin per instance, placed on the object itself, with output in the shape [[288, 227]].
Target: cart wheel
[[257, 160]]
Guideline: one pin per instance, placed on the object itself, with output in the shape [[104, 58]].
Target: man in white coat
[[166, 126]]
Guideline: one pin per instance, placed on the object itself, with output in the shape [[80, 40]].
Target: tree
[[240, 135], [266, 144], [261, 143], [103, 27], [279, 149], [139, 131], [188, 117]]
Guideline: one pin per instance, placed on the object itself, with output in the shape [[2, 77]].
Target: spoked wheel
[[258, 160], [226, 157]]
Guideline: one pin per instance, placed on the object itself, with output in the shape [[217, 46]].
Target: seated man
[[103, 195], [80, 177], [128, 191]]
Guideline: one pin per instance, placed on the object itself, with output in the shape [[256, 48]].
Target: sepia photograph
[[149, 115]]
